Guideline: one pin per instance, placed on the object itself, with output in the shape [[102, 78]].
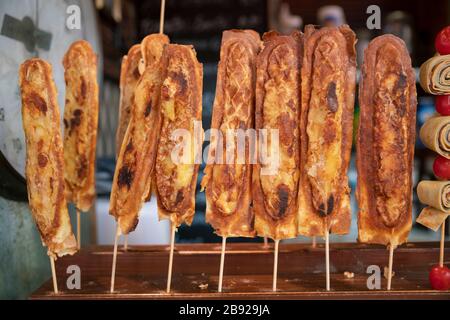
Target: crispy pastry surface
[[328, 86], [80, 124], [435, 135], [181, 108], [228, 185], [435, 75], [136, 159], [129, 77], [432, 218], [435, 194], [44, 159], [278, 103], [385, 143]]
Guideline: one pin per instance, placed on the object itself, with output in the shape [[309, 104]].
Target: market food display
[[45, 158], [385, 143], [228, 185], [275, 181], [328, 78]]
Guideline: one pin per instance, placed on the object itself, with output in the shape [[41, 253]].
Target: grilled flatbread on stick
[[181, 136], [45, 159], [385, 143], [227, 178], [138, 151], [80, 124], [276, 178], [328, 85]]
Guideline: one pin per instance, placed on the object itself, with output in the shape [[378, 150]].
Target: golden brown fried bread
[[137, 154], [328, 92], [228, 185], [129, 77], [80, 124], [278, 105], [45, 159], [385, 142], [180, 141]]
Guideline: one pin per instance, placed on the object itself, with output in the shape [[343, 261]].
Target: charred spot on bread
[[42, 160], [148, 109], [332, 101], [125, 177], [38, 102]]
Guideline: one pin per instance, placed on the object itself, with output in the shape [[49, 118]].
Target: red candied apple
[[441, 168], [440, 278], [442, 42]]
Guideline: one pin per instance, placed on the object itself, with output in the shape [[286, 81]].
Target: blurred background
[[39, 28]]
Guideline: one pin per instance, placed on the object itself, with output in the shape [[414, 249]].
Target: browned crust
[[236, 75], [136, 160], [129, 77], [180, 105], [44, 158], [278, 107], [80, 123], [372, 226], [336, 213]]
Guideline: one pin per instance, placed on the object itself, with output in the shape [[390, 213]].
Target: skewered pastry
[[432, 218], [228, 185], [278, 107], [435, 194], [385, 143], [137, 154], [435, 75], [435, 135], [181, 134], [80, 124], [129, 77], [328, 84], [45, 160]]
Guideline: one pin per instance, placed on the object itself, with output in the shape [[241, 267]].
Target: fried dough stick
[[385, 144], [181, 137], [45, 159]]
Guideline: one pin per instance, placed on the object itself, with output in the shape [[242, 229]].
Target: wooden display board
[[142, 271]]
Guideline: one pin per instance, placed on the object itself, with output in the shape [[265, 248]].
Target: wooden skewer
[[441, 251], [222, 260], [275, 266], [314, 242], [266, 242], [113, 272], [78, 229], [125, 243], [55, 282], [391, 262], [172, 243], [161, 17], [327, 258]]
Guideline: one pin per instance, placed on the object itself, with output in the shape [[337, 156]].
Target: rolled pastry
[[435, 135], [328, 92], [129, 77], [228, 185], [44, 159], [435, 75], [436, 194], [80, 124], [275, 181], [432, 218], [136, 159], [385, 142], [179, 147]]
